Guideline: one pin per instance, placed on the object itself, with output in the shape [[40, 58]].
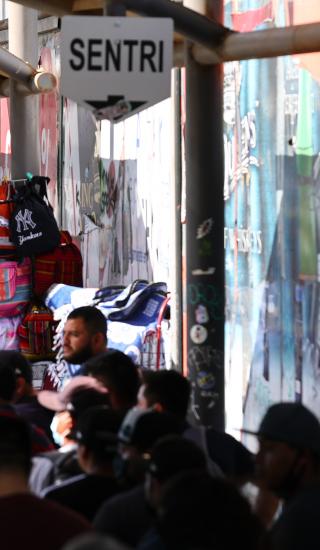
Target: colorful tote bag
[[15, 286]]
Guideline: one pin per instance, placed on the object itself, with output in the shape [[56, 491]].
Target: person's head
[[22, 370], [84, 334], [165, 390], [170, 456], [117, 372], [77, 395], [197, 511], [15, 446], [94, 541], [289, 448], [7, 379], [138, 433], [96, 433]]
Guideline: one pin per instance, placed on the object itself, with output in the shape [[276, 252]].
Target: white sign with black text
[[116, 65]]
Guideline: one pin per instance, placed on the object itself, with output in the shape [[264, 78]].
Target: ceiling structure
[[213, 43], [64, 7]]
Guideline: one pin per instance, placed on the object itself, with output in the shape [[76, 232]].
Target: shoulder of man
[[198, 435]]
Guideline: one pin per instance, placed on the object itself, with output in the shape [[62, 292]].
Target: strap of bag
[[107, 292], [35, 188], [133, 288], [38, 184], [65, 237]]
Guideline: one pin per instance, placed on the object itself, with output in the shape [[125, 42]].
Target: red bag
[[36, 333], [62, 265], [7, 248]]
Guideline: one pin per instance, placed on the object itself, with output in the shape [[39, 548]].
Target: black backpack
[[32, 226]]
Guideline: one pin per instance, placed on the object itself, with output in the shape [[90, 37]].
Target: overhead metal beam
[[87, 5], [64, 7], [191, 24], [297, 39], [52, 7]]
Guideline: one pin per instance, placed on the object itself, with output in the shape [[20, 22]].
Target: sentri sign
[[116, 65]]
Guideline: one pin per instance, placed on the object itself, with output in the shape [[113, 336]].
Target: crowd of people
[[112, 462]]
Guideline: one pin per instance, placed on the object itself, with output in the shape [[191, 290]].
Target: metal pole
[[24, 110], [176, 232], [204, 331], [112, 9]]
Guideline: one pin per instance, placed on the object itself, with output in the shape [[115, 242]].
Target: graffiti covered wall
[[272, 167], [118, 208]]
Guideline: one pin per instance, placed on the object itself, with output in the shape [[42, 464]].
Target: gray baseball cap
[[290, 423]]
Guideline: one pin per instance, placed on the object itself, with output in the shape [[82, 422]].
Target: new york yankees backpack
[[33, 228]]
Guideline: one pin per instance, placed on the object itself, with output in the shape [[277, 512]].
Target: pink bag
[[15, 287]]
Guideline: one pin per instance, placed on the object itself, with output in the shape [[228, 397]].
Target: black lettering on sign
[[114, 55], [148, 50], [130, 44], [75, 44], [92, 53], [160, 56], [118, 55]]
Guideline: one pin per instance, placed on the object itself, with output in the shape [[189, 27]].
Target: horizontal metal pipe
[[29, 80], [12, 66], [297, 39], [191, 24], [41, 83]]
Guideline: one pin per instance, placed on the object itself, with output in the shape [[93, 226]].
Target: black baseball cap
[[97, 429], [172, 454], [141, 428], [290, 423]]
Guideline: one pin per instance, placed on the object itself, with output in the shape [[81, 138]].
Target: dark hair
[[170, 389], [93, 318], [85, 398], [18, 363], [118, 373], [199, 511], [173, 454], [152, 426], [15, 444], [8, 381]]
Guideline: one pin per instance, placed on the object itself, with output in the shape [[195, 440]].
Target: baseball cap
[[143, 427], [172, 454], [58, 401], [97, 429], [290, 423]]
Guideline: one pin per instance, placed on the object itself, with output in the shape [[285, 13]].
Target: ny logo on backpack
[[24, 219]]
